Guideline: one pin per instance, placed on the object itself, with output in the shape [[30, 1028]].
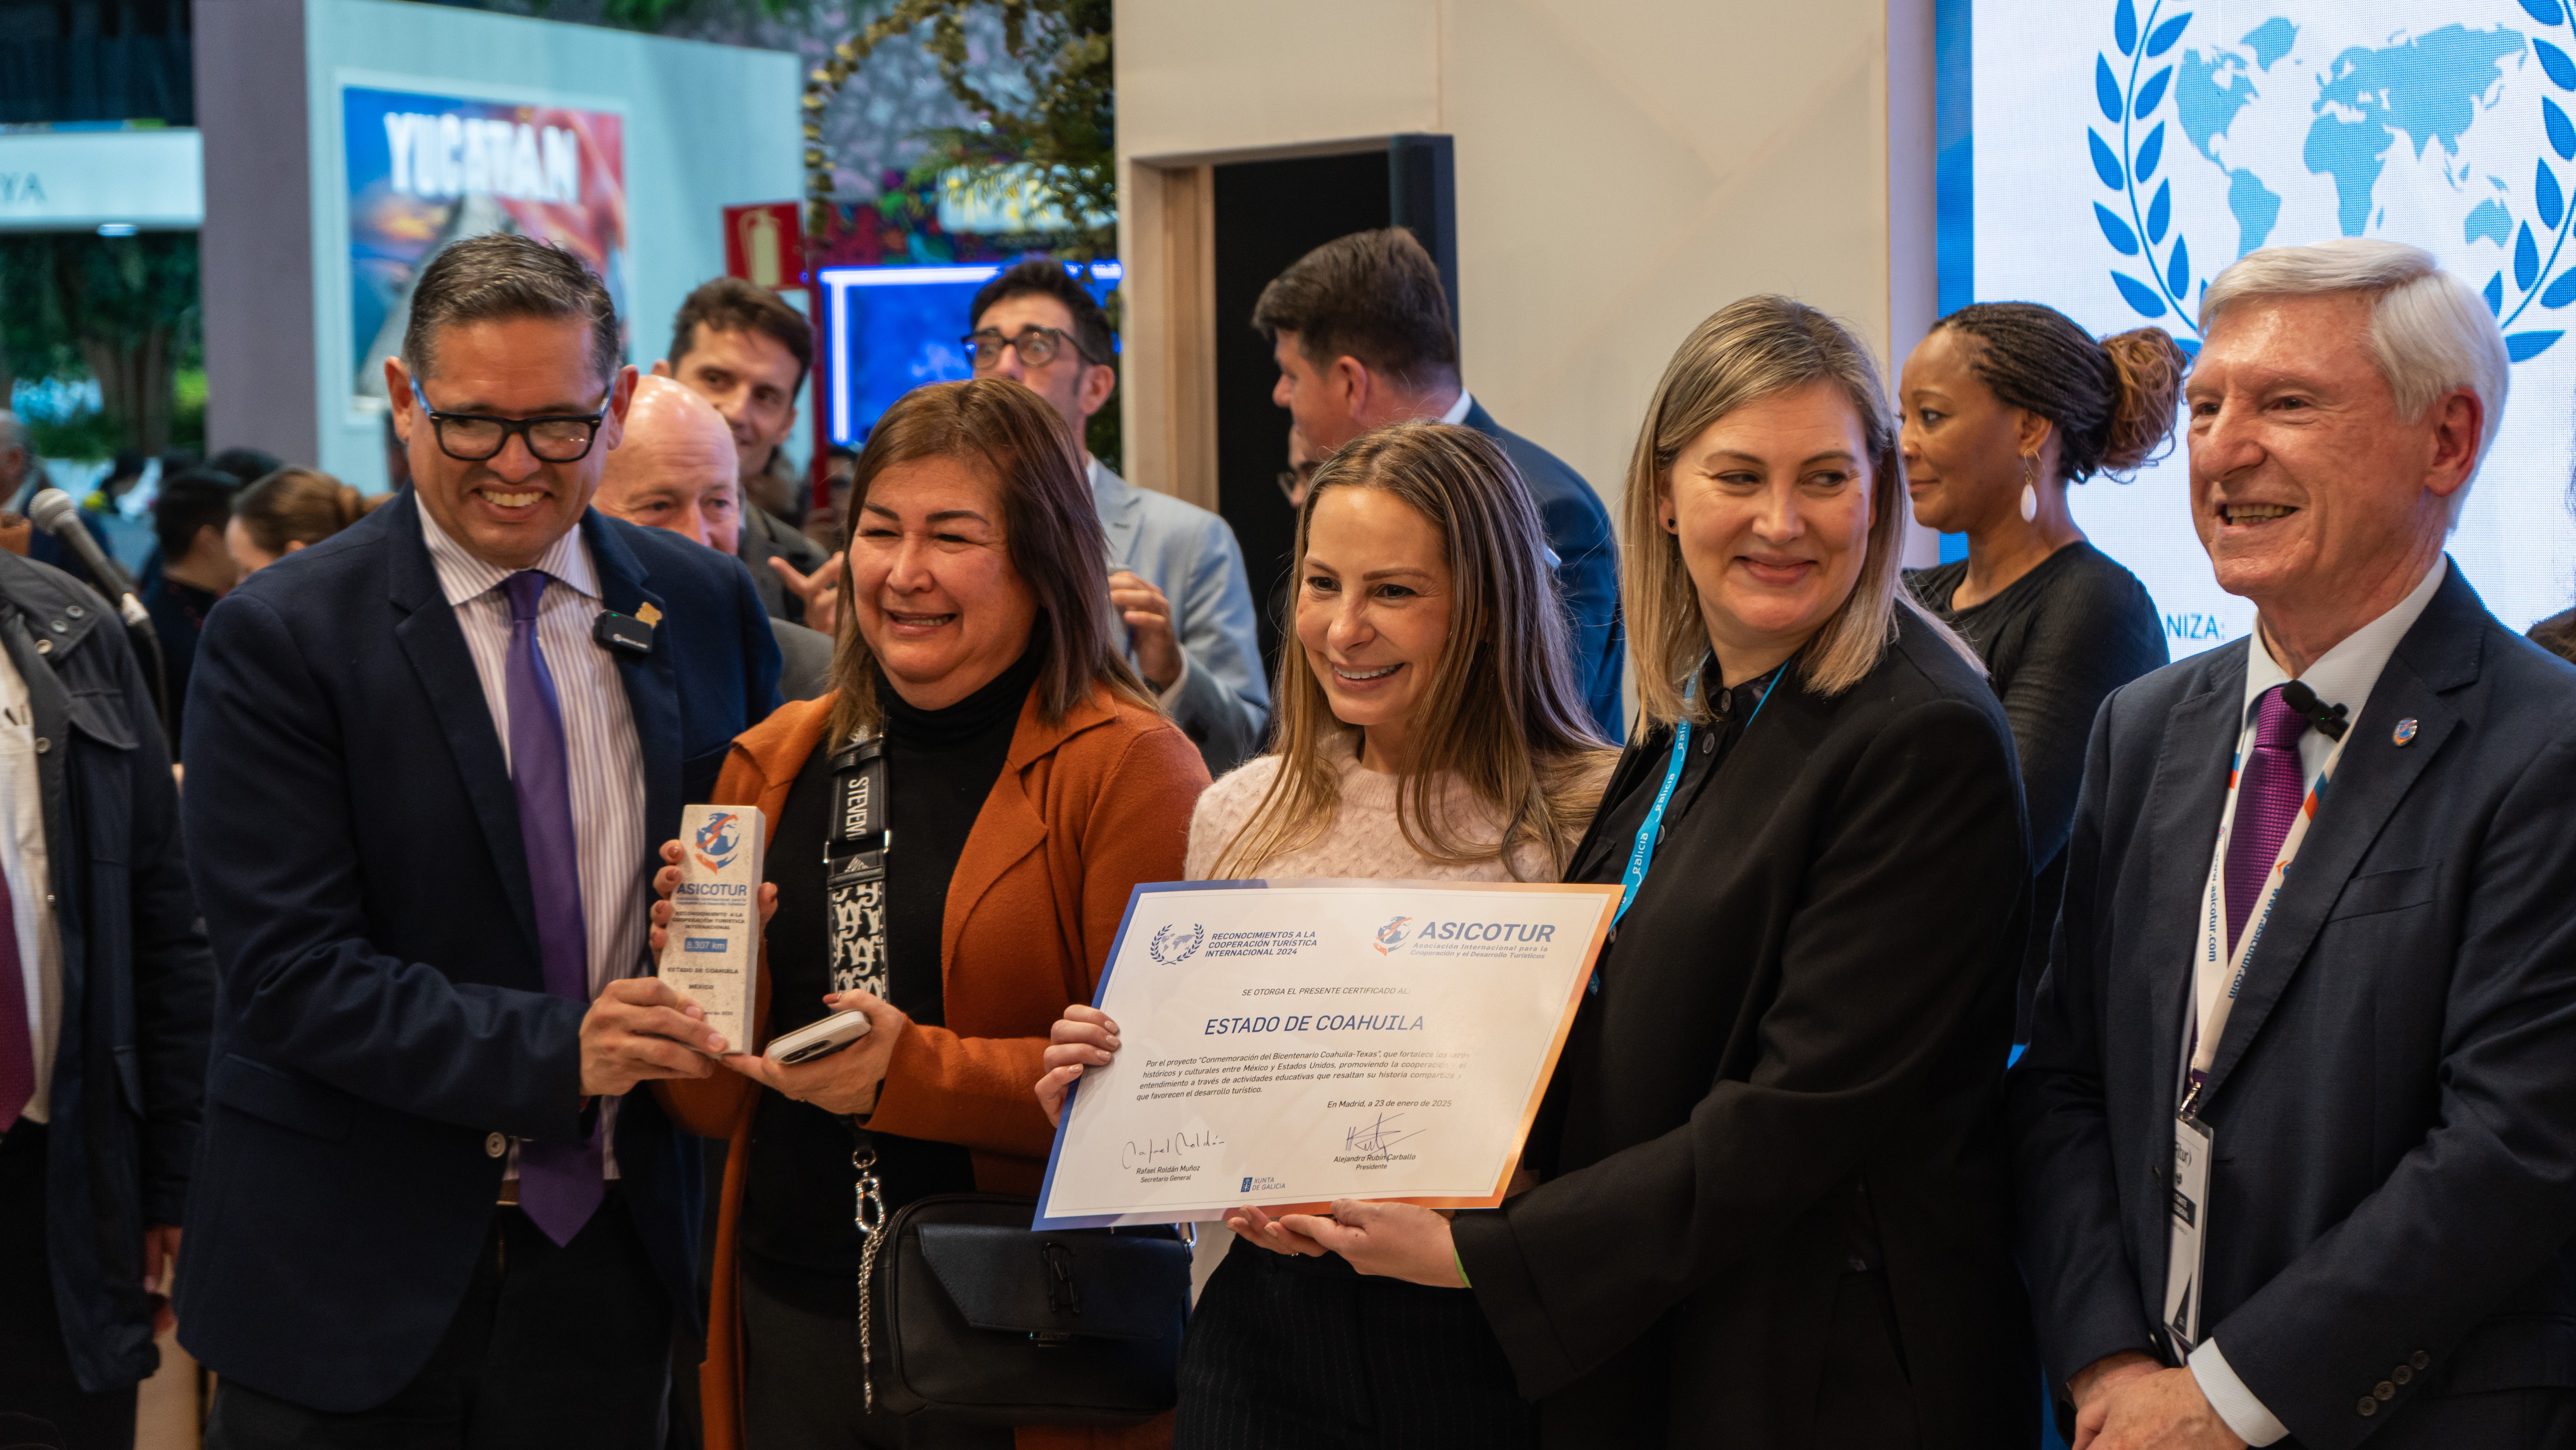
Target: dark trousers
[[553, 1347], [1305, 1354], [35, 1370], [1867, 1397]]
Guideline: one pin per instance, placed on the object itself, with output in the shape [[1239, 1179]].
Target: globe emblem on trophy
[[718, 840], [2445, 123]]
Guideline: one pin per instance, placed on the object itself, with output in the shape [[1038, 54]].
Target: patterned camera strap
[[854, 868], [854, 883]]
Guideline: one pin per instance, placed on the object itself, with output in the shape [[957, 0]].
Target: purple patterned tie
[[17, 1043], [2268, 793], [559, 1184]]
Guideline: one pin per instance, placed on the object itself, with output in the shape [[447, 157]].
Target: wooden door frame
[[1168, 319]]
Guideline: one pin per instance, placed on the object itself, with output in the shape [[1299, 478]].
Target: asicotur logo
[[719, 840], [1391, 936]]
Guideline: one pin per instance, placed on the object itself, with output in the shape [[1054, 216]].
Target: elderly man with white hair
[[675, 469], [2296, 1132]]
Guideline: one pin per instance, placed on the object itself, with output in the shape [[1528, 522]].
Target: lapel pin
[[651, 614], [2405, 732]]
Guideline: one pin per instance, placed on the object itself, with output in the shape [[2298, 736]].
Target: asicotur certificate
[[1287, 1043]]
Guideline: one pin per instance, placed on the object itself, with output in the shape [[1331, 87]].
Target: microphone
[[55, 513], [2329, 719]]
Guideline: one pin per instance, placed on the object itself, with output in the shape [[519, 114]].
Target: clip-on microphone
[[2329, 719]]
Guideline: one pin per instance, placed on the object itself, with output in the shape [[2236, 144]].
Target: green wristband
[[1462, 1268]]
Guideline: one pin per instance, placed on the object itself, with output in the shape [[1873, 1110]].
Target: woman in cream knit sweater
[[1428, 729]]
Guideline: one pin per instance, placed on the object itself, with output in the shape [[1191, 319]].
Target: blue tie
[[559, 1184]]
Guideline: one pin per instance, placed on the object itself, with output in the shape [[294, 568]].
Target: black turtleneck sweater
[[797, 1235]]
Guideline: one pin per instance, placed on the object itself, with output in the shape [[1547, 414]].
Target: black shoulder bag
[[966, 1315]]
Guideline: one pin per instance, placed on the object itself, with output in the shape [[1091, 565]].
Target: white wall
[[1625, 167]]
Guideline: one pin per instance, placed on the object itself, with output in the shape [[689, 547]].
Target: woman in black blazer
[[1774, 1208]]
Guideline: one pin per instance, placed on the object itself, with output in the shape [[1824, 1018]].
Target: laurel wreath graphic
[[1168, 940], [2131, 100]]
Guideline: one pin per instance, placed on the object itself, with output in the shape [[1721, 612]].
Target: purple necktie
[[17, 1043], [559, 1184], [2268, 792]]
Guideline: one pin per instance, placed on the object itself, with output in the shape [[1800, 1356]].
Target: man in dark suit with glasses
[[432, 758]]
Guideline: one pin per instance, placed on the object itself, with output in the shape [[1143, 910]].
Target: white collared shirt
[[1459, 410], [31, 891], [606, 762], [2344, 675]]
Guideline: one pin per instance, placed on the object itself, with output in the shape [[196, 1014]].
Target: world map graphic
[[2347, 121]]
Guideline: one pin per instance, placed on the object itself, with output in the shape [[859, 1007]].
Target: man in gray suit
[[2296, 1132], [1177, 572], [674, 470]]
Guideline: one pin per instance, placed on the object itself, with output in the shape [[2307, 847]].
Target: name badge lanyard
[[1641, 855], [2218, 976]]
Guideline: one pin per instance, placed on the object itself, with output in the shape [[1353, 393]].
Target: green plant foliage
[[1062, 132], [122, 310]]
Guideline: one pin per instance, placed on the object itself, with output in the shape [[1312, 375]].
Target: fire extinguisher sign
[[765, 245]]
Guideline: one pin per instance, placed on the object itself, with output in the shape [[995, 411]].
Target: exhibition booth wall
[[424, 123], [1621, 171]]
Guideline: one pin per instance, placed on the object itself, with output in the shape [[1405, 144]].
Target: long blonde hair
[[1501, 713], [1750, 350]]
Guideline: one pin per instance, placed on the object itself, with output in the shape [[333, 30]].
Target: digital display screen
[[888, 330]]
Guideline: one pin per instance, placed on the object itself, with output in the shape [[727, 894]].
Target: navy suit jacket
[[1587, 570], [2394, 1097], [382, 1012]]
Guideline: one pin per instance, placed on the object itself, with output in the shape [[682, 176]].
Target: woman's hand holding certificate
[[1299, 1042]]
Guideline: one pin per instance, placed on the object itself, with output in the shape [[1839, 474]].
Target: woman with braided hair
[[2005, 405]]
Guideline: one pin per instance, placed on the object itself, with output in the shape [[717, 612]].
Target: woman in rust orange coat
[[1032, 784]]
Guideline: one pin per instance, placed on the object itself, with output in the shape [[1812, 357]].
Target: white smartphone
[[818, 1039]]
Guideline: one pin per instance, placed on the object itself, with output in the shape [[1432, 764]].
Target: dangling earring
[[2029, 490]]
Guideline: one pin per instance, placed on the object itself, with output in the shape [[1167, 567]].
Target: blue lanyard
[[1642, 854]]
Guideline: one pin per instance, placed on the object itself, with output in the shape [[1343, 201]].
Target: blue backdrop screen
[[888, 330], [2109, 157]]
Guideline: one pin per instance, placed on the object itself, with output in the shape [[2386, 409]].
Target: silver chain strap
[[870, 1217]]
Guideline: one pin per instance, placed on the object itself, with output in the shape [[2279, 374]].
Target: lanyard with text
[[1642, 854], [2218, 975]]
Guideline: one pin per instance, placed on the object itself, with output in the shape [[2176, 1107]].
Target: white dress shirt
[[605, 769], [2342, 676], [1459, 410], [31, 893]]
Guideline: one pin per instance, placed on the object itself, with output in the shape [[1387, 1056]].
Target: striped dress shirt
[[606, 764]]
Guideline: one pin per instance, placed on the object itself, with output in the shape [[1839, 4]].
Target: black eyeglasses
[[478, 438], [1038, 346]]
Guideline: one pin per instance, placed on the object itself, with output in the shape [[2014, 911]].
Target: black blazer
[[382, 1011], [1811, 996], [2395, 1095], [1587, 569]]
